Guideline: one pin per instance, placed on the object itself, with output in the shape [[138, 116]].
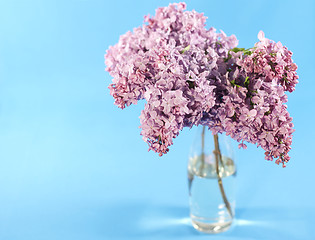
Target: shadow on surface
[[142, 221], [146, 221], [274, 223]]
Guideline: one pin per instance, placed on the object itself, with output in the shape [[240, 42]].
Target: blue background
[[73, 165]]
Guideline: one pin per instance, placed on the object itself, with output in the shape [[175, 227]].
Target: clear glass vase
[[211, 182]]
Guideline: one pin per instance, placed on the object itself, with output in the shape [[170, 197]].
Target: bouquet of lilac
[[189, 75]]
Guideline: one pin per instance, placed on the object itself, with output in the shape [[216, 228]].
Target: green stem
[[202, 149], [218, 159]]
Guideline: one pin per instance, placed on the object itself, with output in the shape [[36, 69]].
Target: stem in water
[[202, 149], [218, 160]]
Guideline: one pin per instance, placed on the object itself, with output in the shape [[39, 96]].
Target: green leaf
[[273, 54], [246, 82], [245, 51], [191, 84], [234, 84], [218, 43], [185, 49], [237, 49], [267, 113]]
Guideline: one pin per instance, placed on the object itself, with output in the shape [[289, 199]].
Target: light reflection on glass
[[243, 222], [164, 223]]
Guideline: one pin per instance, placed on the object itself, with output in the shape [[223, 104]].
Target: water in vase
[[208, 209]]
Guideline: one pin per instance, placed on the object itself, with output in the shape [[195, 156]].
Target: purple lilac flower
[[189, 75]]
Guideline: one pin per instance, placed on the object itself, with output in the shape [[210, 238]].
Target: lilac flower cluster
[[189, 75]]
